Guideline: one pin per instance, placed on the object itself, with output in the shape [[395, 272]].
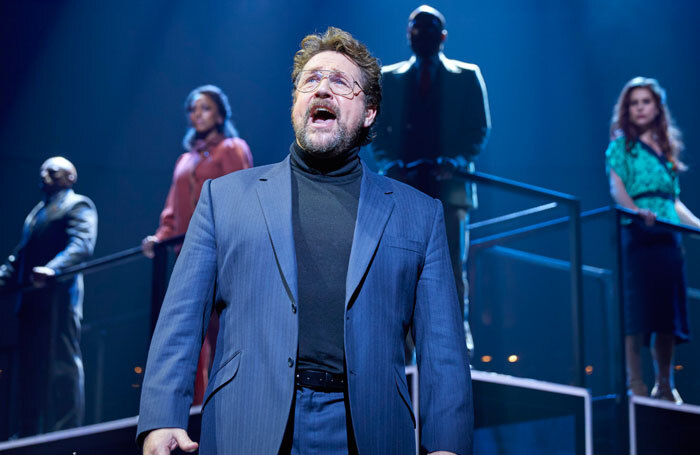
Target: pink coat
[[215, 158]]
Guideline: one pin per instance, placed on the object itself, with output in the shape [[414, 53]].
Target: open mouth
[[322, 115]]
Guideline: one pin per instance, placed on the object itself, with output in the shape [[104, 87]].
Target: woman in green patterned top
[[643, 165]]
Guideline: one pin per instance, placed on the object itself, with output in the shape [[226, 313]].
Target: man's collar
[[431, 61], [56, 196]]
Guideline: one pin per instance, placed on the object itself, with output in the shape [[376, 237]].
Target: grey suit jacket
[[58, 234], [238, 259]]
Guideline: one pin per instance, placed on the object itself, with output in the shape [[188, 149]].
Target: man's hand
[[41, 275], [148, 245], [444, 170], [164, 440], [394, 170]]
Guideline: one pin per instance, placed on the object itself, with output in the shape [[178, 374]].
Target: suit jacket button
[[290, 362], [294, 308]]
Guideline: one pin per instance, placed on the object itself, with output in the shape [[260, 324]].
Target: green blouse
[[648, 178]]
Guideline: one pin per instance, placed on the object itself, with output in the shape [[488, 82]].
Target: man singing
[[318, 268]]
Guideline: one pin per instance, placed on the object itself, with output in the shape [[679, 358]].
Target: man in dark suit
[[58, 233], [435, 119], [318, 268]]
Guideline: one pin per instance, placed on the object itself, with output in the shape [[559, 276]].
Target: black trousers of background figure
[[51, 380], [457, 229]]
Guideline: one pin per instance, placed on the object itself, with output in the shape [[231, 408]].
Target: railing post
[[158, 282], [577, 321], [620, 373]]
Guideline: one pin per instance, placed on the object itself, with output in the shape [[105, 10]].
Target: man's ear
[[370, 114]]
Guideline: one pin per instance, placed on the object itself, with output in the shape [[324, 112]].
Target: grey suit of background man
[[58, 233], [435, 118]]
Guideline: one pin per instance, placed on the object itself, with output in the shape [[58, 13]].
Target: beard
[[340, 141]]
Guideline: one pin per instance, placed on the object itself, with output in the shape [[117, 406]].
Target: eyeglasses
[[339, 82]]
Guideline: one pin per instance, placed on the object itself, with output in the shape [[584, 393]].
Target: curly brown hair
[[663, 127], [337, 40]]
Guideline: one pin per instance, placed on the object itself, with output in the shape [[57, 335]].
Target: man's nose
[[324, 88]]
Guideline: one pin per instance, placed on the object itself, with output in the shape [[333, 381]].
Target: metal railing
[[616, 214], [101, 328], [574, 266], [573, 220]]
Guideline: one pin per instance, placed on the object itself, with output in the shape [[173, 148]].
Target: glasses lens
[[339, 82], [308, 81]]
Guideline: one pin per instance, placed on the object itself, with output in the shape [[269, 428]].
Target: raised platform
[[525, 416], [512, 416], [110, 438], [657, 427]]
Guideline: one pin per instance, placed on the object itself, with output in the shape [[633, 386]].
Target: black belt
[[321, 380], [659, 194]]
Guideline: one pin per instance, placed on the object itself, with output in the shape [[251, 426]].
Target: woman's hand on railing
[[648, 215], [148, 246]]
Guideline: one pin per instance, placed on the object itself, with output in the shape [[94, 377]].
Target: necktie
[[424, 79]]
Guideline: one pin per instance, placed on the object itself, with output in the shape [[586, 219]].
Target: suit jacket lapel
[[275, 195], [374, 209]]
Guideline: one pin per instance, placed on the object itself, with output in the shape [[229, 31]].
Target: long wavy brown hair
[[337, 40], [663, 127]]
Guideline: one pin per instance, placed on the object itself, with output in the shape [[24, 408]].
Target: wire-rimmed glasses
[[340, 83]]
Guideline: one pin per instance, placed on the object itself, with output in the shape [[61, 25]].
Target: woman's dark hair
[[219, 98], [663, 127]]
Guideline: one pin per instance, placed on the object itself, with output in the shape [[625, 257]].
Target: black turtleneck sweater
[[325, 196]]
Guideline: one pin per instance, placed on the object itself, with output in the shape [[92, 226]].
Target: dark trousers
[[457, 230], [456, 197], [51, 381], [319, 425]]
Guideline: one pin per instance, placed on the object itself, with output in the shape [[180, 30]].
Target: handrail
[[495, 239], [684, 228], [101, 263], [573, 206], [513, 216], [512, 184]]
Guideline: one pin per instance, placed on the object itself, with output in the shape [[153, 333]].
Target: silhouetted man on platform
[[59, 232], [435, 119]]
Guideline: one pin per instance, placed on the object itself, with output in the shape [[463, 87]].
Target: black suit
[[446, 118], [58, 233]]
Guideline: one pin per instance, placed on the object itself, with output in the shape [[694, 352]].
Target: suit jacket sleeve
[[172, 360], [167, 228], [446, 410], [478, 128], [81, 227]]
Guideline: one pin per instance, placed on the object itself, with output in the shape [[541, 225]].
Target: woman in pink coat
[[213, 149]]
